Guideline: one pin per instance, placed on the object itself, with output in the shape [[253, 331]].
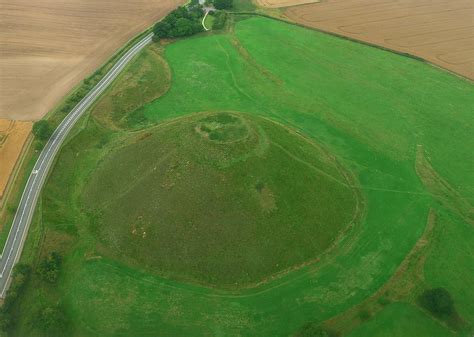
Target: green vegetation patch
[[209, 22], [401, 320], [146, 79], [183, 21], [223, 199], [400, 126], [223, 127]]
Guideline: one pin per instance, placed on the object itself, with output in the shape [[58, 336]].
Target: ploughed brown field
[[49, 46], [439, 31], [13, 136], [283, 3]]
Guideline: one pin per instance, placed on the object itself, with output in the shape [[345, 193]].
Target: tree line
[[187, 20], [183, 21]]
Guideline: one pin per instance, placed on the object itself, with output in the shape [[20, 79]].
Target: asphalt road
[[14, 245]]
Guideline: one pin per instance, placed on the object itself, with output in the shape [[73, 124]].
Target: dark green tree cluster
[[439, 302], [20, 276], [183, 21], [49, 268], [42, 130], [220, 19], [223, 4]]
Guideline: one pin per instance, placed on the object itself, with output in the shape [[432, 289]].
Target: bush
[[364, 315], [42, 130], [314, 330], [220, 20], [438, 301], [20, 276], [183, 21], [223, 4], [49, 268], [50, 319], [383, 301]]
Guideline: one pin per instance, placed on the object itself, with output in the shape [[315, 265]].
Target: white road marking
[[41, 168]]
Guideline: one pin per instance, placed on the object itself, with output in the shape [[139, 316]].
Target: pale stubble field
[[49, 46]]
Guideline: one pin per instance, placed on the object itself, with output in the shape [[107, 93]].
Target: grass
[[209, 21], [409, 321], [178, 200], [244, 6], [369, 109], [151, 73]]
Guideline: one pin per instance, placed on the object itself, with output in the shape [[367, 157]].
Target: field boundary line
[[348, 38]]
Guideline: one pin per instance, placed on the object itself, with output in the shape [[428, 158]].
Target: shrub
[[314, 330], [383, 301], [220, 20], [438, 301], [50, 319], [42, 130], [364, 315], [49, 268], [20, 276], [223, 4]]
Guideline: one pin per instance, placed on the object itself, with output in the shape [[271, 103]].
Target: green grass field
[[399, 129]]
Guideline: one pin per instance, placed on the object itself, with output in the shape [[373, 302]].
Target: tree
[[48, 269], [185, 27], [438, 301], [223, 4], [183, 21], [42, 130], [220, 19]]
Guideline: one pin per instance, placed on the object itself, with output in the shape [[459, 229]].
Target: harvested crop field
[[439, 31], [284, 3], [13, 136], [48, 46]]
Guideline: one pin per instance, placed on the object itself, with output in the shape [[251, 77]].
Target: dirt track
[[48, 46], [439, 31], [13, 136]]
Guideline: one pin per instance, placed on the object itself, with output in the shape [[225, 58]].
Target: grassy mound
[[221, 199], [401, 126]]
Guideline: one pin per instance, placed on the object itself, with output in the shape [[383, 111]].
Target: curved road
[[14, 245]]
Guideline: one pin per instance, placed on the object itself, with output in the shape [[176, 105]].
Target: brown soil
[[49, 46], [439, 31], [13, 136], [283, 3]]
